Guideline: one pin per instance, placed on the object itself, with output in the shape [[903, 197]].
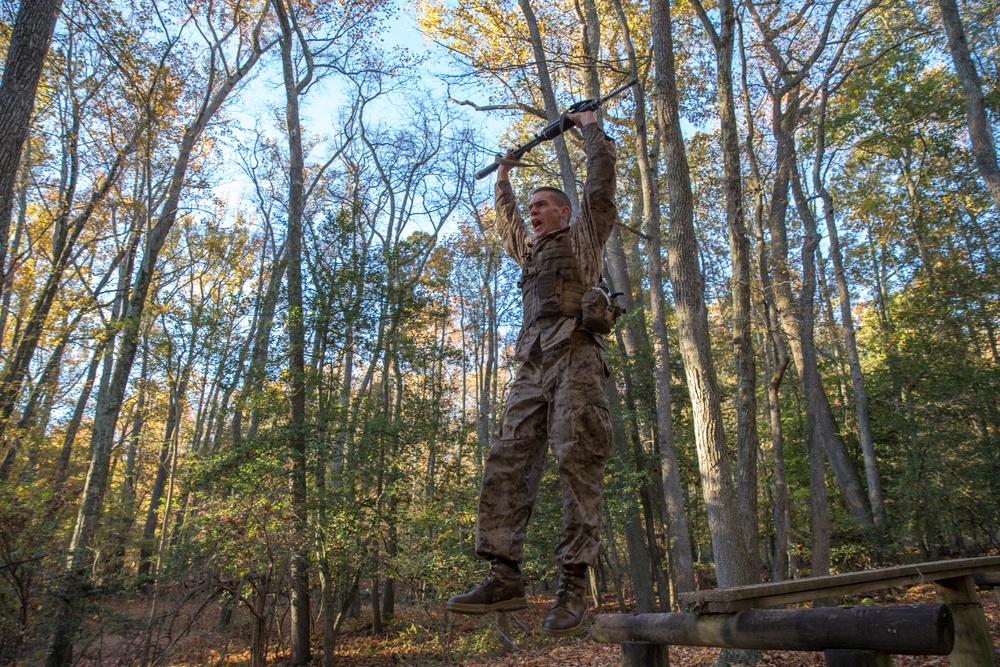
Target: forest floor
[[421, 635]]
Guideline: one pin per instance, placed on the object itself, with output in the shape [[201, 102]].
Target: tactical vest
[[551, 283]]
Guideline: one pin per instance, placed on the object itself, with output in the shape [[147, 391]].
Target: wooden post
[[973, 645], [644, 654], [503, 625], [849, 658]]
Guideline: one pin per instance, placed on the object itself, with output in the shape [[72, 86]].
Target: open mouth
[[536, 224]]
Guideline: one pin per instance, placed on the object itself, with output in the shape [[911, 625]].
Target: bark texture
[[794, 320], [732, 560], [872, 475], [29, 44], [747, 442], [980, 132], [300, 619], [678, 536], [552, 112]]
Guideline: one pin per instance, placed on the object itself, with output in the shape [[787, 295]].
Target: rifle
[[554, 129]]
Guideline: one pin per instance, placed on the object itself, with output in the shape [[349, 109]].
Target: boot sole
[[513, 604], [575, 630]]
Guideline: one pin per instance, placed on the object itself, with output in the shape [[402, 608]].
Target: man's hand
[[504, 169], [581, 118], [578, 118]]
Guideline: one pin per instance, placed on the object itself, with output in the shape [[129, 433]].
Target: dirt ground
[[419, 635]]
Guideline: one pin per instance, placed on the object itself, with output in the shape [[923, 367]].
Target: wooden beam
[[905, 629], [730, 600]]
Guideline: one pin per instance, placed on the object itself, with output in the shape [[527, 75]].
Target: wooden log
[[847, 658], [989, 581], [644, 654], [925, 629], [973, 644]]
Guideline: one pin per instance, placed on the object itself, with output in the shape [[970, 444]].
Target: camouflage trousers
[[556, 401]]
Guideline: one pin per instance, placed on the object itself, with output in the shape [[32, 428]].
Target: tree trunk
[[678, 538], [15, 243], [590, 40], [638, 553], [776, 355], [552, 111], [812, 389], [65, 453], [300, 617], [172, 426], [731, 558], [747, 443], [980, 132], [847, 323], [29, 44], [255, 374], [790, 318], [778, 360], [794, 320]]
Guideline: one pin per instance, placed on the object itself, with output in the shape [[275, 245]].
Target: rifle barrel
[[617, 91], [553, 130]]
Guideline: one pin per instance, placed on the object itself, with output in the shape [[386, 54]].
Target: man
[[558, 396]]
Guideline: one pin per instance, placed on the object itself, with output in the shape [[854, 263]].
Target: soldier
[[558, 396]]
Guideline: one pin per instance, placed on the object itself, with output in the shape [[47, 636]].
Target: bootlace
[[569, 587], [491, 576]]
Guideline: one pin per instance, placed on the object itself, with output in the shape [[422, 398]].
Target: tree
[[29, 43], [247, 30], [747, 444], [796, 321], [679, 540], [548, 96], [980, 132], [872, 474], [732, 561], [294, 87]]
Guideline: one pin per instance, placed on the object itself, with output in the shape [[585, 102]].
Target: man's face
[[545, 213]]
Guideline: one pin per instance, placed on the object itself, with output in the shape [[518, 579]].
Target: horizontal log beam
[[987, 580], [926, 629], [774, 594]]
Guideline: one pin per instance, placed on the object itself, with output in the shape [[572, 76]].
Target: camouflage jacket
[[588, 231]]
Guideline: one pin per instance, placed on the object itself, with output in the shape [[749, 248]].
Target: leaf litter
[[426, 634]]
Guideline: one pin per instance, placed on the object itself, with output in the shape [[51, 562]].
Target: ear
[[564, 216]]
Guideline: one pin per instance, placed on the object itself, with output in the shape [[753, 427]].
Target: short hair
[[560, 196]]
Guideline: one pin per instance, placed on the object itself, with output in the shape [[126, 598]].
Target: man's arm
[[598, 213], [513, 232]]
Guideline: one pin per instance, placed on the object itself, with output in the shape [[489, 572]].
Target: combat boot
[[502, 590], [570, 609]]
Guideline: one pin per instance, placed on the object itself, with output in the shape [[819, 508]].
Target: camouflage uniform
[[558, 396]]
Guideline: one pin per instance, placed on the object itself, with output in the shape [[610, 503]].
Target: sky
[[259, 107]]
